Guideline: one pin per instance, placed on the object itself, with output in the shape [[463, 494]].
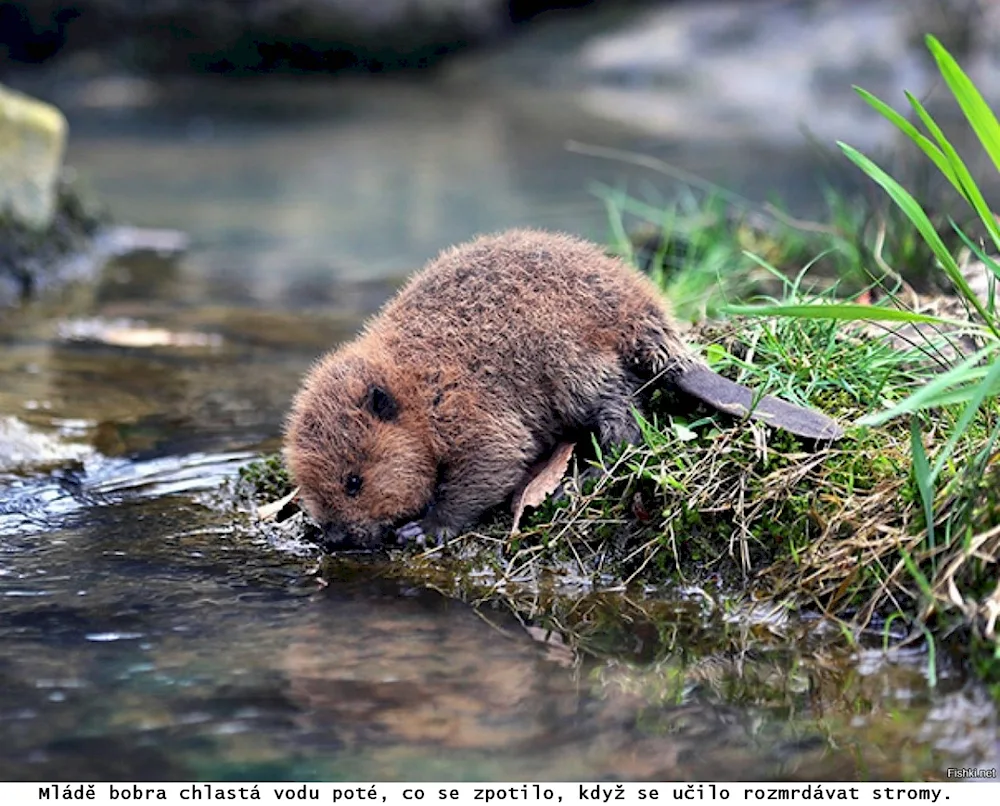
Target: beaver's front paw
[[415, 532]]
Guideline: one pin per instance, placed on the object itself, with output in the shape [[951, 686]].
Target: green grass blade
[[920, 578], [986, 388], [969, 371], [845, 311], [977, 111], [989, 262], [906, 203], [912, 210], [936, 155], [922, 475], [991, 265], [960, 176], [959, 396]]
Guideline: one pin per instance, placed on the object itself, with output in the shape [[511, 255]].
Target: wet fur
[[475, 370]]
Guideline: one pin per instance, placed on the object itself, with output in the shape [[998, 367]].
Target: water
[[146, 633]]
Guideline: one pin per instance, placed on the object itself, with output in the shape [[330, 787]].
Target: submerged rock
[[32, 143]]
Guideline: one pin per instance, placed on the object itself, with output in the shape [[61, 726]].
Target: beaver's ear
[[382, 404]]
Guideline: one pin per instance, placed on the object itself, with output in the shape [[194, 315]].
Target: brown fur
[[473, 372]]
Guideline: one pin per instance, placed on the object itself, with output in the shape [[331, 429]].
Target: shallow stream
[[143, 635]]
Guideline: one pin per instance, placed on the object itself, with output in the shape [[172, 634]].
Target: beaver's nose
[[333, 537]]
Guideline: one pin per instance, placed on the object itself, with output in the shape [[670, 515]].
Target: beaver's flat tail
[[733, 398]]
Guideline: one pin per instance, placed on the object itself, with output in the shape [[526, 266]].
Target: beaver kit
[[486, 359]]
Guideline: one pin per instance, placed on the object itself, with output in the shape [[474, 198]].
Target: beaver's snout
[[333, 538], [340, 537]]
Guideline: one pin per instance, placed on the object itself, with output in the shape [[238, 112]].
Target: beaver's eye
[[353, 485]]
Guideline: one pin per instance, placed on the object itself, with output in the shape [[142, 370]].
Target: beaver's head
[[359, 451]]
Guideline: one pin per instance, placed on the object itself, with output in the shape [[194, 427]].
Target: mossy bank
[[725, 507]]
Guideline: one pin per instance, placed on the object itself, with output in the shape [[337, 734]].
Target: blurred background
[[303, 143]]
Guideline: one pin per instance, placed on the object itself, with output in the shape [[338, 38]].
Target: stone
[[32, 144]]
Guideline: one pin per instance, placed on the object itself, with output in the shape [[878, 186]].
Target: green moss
[[264, 480]]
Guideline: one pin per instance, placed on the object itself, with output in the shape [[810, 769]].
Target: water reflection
[[150, 639]]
